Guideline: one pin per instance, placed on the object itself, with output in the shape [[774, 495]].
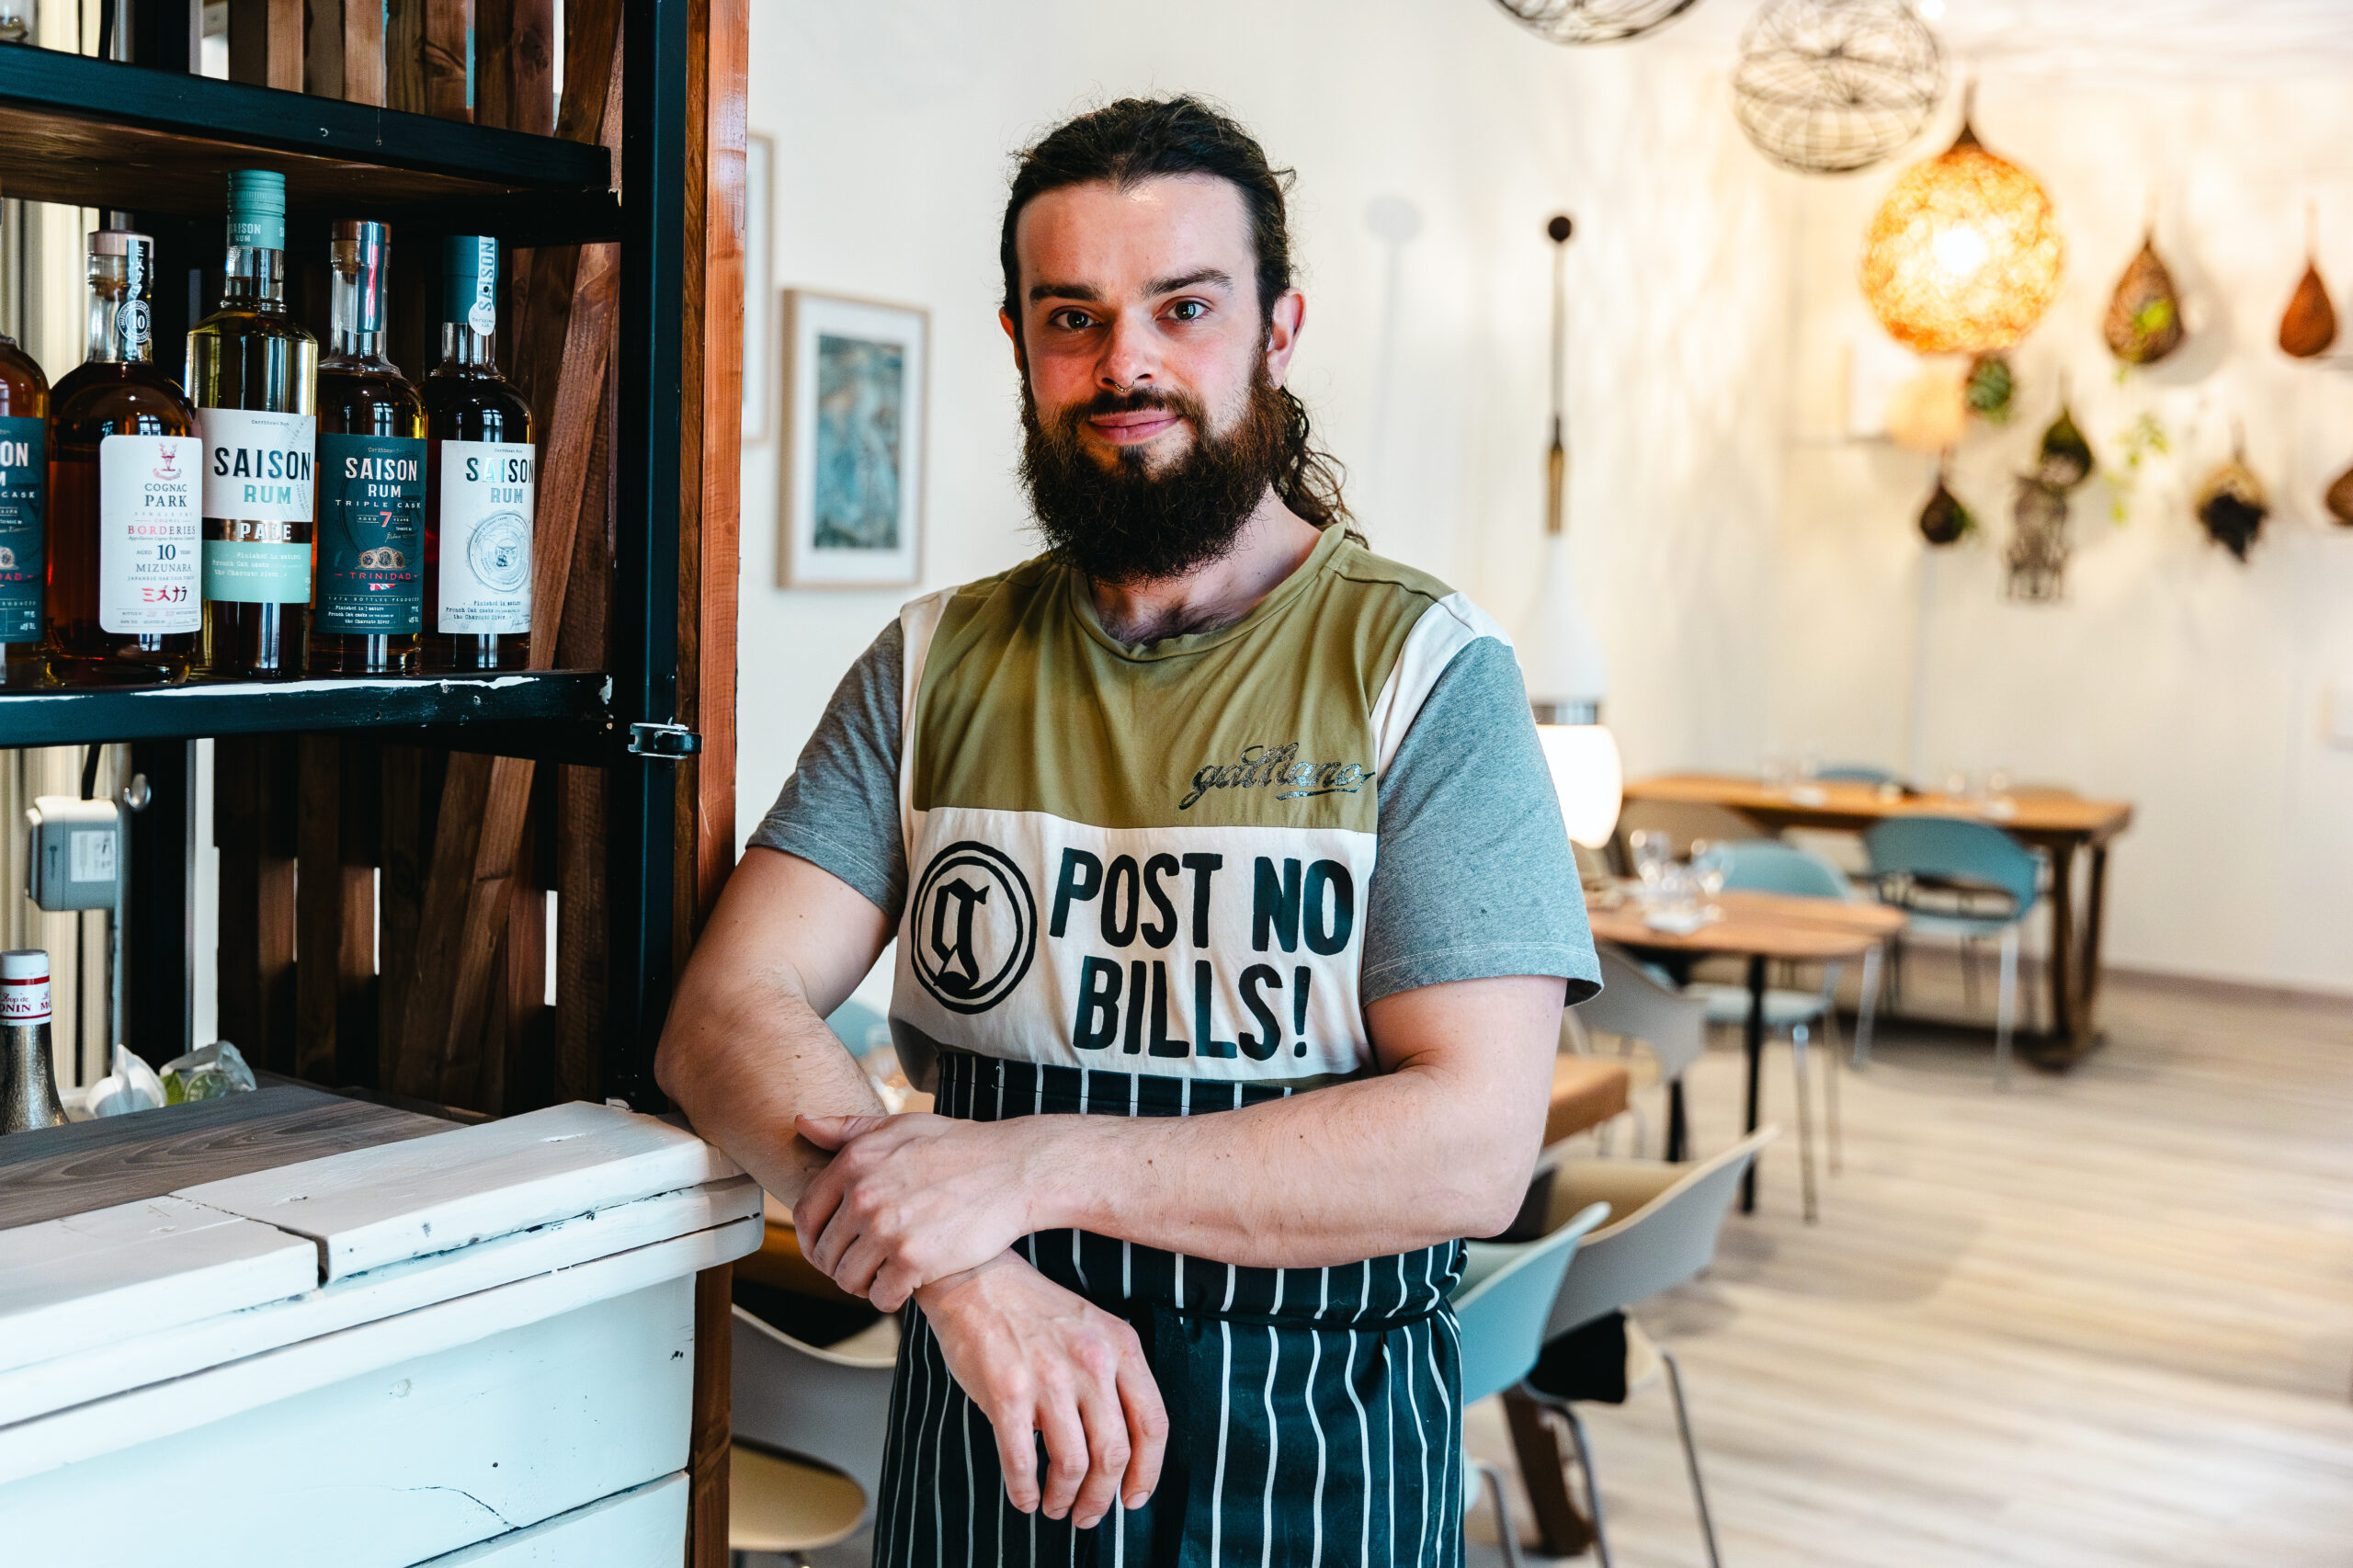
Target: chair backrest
[[1683, 821], [1504, 1299], [1663, 1230], [1761, 866], [858, 1027], [1857, 773], [1957, 848], [831, 1408], [1634, 1003]]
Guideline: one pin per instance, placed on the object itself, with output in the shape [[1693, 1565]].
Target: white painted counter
[[475, 1348]]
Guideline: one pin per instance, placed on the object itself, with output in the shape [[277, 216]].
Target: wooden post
[[513, 56], [345, 50], [266, 43], [425, 56], [708, 1430], [254, 825], [335, 910]]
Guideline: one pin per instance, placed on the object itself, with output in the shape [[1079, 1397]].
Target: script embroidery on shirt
[[1262, 765]]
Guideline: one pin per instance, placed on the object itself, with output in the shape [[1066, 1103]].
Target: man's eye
[[1188, 310], [1072, 321]]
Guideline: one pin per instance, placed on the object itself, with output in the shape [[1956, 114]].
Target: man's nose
[[1129, 358]]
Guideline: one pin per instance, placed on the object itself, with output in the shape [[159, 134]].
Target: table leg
[[1754, 1045], [2063, 944], [2076, 969], [1560, 1527], [1678, 1129], [2095, 921]]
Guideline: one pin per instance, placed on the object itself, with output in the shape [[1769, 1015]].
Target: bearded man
[[1235, 921]]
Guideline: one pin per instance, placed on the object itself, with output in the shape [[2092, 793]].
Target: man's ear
[[1013, 335], [1283, 323]]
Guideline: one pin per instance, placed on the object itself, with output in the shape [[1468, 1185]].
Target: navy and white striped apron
[[1315, 1413]]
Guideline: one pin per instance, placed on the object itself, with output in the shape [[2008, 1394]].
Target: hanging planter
[[2143, 321], [2339, 498], [2064, 458], [2230, 505], [1944, 520], [2309, 326], [2037, 553]]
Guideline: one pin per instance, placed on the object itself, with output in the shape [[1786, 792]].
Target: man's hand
[[1039, 1359], [908, 1200]]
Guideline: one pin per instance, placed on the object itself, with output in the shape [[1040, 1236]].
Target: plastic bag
[[132, 1086], [206, 1075]]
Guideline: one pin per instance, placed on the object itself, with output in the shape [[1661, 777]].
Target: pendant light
[[1561, 657], [1964, 255]]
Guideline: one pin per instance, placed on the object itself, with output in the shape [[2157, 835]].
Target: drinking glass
[[1652, 851]]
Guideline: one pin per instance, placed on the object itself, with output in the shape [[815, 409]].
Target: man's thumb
[[832, 1131]]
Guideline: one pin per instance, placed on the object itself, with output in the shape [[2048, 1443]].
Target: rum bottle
[[24, 483], [254, 374], [366, 599], [126, 588], [480, 480]]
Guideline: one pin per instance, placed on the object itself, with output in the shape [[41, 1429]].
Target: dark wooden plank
[[266, 43], [708, 1424], [121, 1159], [513, 64], [407, 817], [494, 35], [448, 36], [579, 935], [404, 55], [322, 41], [253, 825]]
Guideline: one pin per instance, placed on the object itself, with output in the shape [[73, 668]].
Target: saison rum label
[[486, 510], [24, 576], [258, 472], [149, 535], [371, 545]]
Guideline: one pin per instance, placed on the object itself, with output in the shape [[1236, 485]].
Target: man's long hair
[[1134, 140]]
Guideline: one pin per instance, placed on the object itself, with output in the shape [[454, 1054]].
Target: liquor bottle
[[126, 588], [254, 373], [480, 480], [29, 1098], [24, 482], [368, 590]]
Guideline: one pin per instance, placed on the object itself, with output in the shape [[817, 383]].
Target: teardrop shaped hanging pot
[[2065, 458], [1944, 520], [2231, 505], [2143, 322], [2310, 325], [2037, 552], [2339, 498]]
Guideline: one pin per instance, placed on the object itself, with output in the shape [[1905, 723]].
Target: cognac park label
[[372, 546], [149, 562], [259, 474], [24, 473], [486, 490]]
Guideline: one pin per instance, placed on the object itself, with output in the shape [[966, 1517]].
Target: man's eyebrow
[[1190, 281], [1085, 292]]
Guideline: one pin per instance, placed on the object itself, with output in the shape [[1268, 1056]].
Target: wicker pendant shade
[[1830, 87], [1964, 255], [1594, 21]]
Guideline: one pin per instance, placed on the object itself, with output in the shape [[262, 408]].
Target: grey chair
[[1636, 1005], [795, 1403], [1664, 1219]]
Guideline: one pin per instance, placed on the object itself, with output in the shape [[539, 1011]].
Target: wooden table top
[[1842, 804], [1772, 926]]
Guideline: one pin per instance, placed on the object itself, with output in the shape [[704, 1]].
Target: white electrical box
[[76, 853]]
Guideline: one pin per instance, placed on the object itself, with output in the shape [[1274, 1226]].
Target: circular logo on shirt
[[500, 552], [975, 928]]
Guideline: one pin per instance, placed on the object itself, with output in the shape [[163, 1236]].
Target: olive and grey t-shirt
[[1214, 850]]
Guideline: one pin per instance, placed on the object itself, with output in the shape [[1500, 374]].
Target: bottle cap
[[24, 986], [257, 209], [470, 281], [360, 247]]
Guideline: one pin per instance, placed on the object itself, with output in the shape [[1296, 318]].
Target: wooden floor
[[2098, 1319]]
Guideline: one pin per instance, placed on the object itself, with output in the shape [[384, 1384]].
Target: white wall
[[894, 122], [2171, 675]]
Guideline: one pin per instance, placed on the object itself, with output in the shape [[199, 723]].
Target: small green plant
[[2139, 441]]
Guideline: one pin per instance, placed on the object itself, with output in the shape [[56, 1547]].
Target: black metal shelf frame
[[530, 189]]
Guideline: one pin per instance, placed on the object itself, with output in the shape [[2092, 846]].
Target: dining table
[[2070, 829], [1760, 928]]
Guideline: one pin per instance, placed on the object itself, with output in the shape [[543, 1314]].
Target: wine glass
[[1653, 850]]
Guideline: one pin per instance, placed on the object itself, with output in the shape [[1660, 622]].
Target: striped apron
[[1315, 1413]]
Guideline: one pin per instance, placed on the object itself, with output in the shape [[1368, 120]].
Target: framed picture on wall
[[759, 301], [854, 378]]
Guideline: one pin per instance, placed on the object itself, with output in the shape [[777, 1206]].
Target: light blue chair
[[1857, 773], [1957, 878], [859, 1027], [1501, 1306], [1764, 866]]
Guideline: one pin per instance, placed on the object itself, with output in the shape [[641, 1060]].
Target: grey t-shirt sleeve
[[1474, 878], [840, 808]]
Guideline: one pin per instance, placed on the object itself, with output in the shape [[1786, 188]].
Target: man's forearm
[[1355, 1171]]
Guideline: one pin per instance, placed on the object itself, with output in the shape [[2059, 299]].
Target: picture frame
[[760, 298], [857, 376]]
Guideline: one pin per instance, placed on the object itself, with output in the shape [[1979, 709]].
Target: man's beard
[[1123, 524]]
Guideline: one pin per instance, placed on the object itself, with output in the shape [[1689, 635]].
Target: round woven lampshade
[[1830, 87], [1594, 21], [1964, 255]]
